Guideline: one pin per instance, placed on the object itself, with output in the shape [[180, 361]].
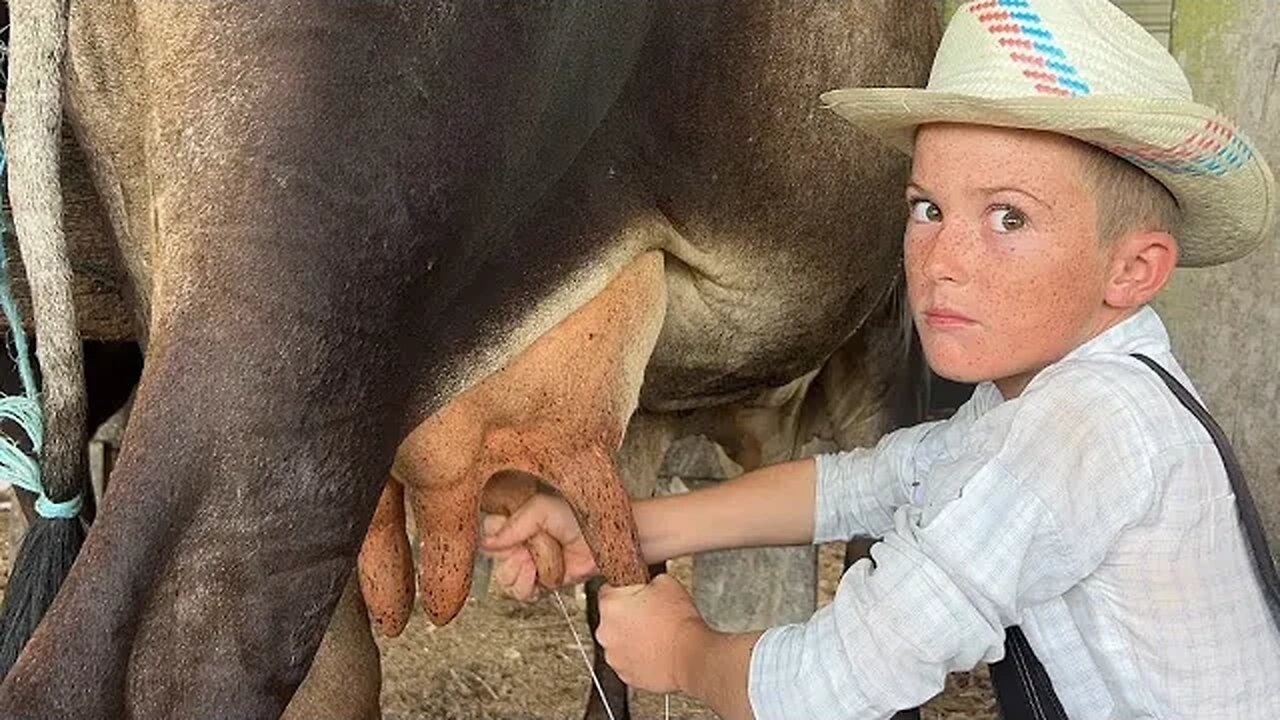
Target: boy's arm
[[769, 506], [830, 497], [717, 666]]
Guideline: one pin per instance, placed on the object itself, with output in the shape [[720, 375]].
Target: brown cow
[[338, 217]]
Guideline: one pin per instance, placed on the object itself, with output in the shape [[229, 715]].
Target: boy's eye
[[925, 211], [1007, 219]]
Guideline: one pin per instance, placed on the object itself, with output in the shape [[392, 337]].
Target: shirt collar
[[1142, 332]]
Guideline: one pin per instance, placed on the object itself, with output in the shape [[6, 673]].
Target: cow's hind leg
[[345, 679]]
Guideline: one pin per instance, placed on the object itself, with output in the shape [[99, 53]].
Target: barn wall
[[1225, 321], [1155, 15]]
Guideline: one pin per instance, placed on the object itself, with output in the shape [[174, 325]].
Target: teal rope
[[17, 466]]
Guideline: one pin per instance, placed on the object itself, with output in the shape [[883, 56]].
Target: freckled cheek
[[1039, 306], [916, 284], [915, 289], [1017, 299]]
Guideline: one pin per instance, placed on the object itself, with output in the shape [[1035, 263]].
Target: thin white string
[[583, 649]]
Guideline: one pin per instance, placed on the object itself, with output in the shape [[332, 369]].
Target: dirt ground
[[504, 660]]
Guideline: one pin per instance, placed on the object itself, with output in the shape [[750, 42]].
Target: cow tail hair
[[33, 120]]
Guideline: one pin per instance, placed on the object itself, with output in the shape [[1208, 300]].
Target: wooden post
[[1225, 321]]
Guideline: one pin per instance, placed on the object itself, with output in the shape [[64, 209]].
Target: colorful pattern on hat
[[1214, 149], [1016, 25]]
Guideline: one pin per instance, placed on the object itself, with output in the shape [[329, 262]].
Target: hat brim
[[1228, 208]]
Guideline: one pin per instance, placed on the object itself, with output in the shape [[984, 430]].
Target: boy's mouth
[[941, 317]]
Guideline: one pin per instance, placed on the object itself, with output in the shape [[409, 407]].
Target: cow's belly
[[756, 297], [734, 334]]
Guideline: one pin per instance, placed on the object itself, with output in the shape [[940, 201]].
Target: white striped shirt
[[1093, 510]]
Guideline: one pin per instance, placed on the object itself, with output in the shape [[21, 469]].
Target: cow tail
[[32, 120]]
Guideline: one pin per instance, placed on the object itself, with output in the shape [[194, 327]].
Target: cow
[[339, 220]]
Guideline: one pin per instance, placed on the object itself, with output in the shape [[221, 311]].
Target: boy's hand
[[652, 634], [515, 568]]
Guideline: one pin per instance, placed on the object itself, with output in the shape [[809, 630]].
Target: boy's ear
[[1141, 264]]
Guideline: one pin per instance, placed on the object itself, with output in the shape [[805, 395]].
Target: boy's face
[[1005, 273]]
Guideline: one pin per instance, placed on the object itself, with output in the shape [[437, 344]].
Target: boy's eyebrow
[[1020, 191], [914, 185]]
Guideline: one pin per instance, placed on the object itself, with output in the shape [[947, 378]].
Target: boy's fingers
[[491, 524], [517, 528], [523, 589], [506, 568]]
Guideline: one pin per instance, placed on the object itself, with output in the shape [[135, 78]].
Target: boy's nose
[[944, 259]]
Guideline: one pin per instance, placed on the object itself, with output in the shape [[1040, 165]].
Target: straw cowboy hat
[[1084, 69]]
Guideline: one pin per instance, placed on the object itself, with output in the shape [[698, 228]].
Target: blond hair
[[1126, 197]]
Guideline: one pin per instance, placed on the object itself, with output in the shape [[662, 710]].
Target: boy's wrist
[[714, 668], [692, 656]]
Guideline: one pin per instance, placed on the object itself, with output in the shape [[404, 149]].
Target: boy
[[1073, 494]]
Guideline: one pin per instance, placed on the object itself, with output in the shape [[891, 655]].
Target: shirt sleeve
[[1016, 519], [858, 490]]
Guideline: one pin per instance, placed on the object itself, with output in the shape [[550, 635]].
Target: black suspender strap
[[1022, 686], [1023, 689]]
